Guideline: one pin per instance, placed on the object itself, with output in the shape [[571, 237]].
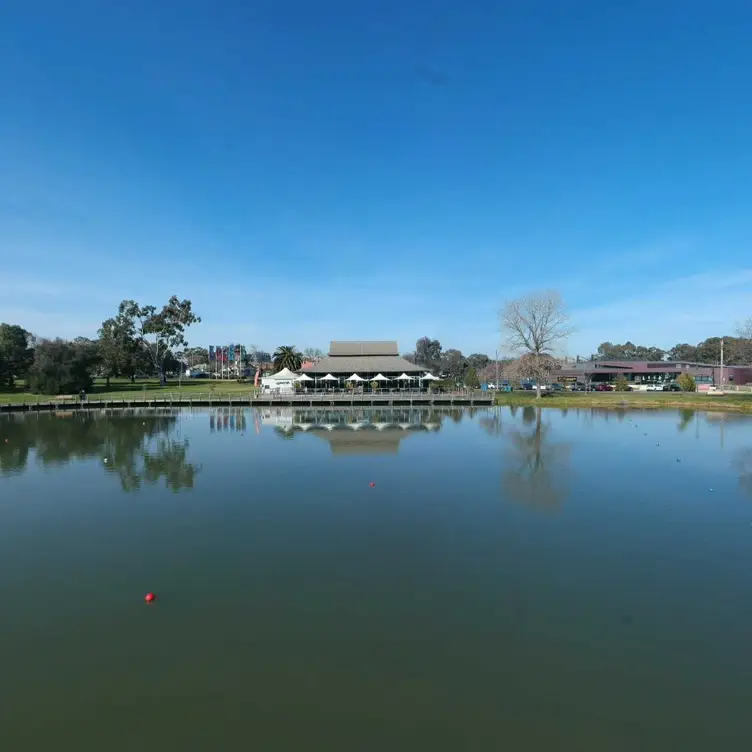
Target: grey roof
[[349, 349], [362, 364]]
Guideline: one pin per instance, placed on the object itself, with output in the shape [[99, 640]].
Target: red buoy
[[150, 597], [372, 484]]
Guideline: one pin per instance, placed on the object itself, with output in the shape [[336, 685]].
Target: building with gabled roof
[[365, 358]]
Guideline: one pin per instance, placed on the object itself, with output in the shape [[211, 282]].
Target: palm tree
[[286, 356]]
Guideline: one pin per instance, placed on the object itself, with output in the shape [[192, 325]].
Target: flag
[[256, 379], [211, 352]]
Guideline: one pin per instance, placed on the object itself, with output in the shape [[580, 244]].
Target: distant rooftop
[[345, 349]]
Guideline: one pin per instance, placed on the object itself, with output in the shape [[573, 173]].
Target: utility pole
[[721, 362], [497, 369]]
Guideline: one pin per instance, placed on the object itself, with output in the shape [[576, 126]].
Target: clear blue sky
[[307, 171]]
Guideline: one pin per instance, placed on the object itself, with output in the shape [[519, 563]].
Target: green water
[[513, 580]]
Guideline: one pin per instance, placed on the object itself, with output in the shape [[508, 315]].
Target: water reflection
[[492, 423], [138, 446], [359, 430], [685, 419], [743, 466], [231, 419], [536, 467]]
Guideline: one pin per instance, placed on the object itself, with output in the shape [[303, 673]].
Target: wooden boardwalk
[[416, 399]]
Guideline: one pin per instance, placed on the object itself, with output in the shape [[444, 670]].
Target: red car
[[603, 388]]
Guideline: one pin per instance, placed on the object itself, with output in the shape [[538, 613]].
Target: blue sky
[[307, 171]]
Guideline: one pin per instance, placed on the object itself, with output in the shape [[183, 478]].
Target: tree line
[[736, 351], [451, 364], [139, 339]]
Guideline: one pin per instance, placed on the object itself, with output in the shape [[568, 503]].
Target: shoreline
[[729, 403]]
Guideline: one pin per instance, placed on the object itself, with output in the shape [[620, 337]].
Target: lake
[[513, 579]]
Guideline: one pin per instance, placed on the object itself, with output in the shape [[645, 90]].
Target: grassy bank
[[731, 402], [142, 389]]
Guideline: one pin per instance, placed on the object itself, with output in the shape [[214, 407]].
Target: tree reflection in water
[[491, 423], [285, 432], [685, 418], [534, 475], [138, 446], [743, 466]]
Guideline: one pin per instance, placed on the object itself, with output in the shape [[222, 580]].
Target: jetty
[[311, 399]]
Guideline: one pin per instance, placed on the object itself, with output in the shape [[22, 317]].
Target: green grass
[[142, 389], [731, 402]]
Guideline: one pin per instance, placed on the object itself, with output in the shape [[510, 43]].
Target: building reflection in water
[[139, 446], [359, 430], [536, 467]]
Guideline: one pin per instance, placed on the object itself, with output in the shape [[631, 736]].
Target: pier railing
[[239, 399]]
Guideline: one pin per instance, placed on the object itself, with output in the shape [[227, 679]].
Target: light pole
[[497, 369], [721, 362]]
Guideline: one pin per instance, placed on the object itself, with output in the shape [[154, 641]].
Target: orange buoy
[[150, 597]]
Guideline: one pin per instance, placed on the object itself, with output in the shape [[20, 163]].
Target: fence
[[200, 399]]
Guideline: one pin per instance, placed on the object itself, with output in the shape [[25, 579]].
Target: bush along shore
[[729, 402]]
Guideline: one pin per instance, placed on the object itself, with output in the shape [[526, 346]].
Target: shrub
[[687, 382], [62, 367], [471, 379], [621, 384]]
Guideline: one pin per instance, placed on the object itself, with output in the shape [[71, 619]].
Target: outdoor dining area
[[364, 383]]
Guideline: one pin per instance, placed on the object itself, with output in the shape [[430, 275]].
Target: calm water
[[514, 580]]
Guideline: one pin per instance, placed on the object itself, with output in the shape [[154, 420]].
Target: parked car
[[671, 388], [653, 388], [556, 388], [578, 387], [603, 388]]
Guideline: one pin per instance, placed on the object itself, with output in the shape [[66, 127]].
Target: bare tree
[[535, 327], [745, 330]]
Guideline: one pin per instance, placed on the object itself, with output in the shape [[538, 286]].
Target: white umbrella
[[355, 426], [430, 377], [355, 377], [328, 377], [304, 377], [404, 377], [380, 426], [380, 377]]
